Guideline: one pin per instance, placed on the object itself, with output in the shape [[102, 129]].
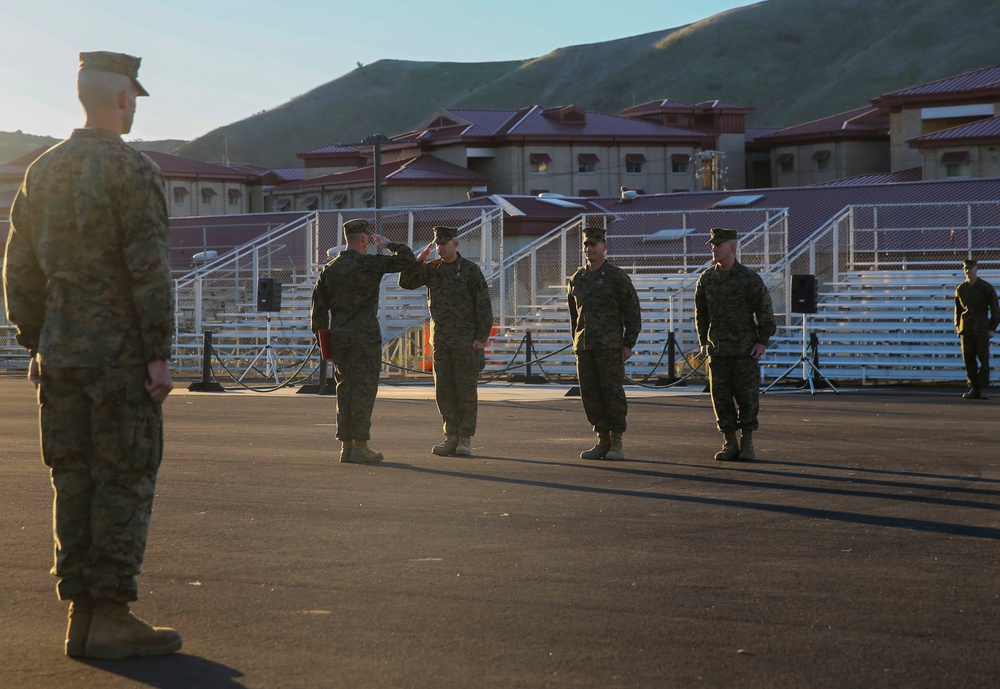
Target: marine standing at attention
[[461, 318], [735, 322], [345, 300], [977, 316], [87, 283], [605, 320]]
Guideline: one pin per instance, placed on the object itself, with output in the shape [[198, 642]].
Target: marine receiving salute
[[345, 300], [461, 318], [605, 320], [735, 322]]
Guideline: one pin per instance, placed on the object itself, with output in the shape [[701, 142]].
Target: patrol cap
[[718, 235], [594, 234], [443, 235], [357, 226], [116, 63], [969, 263]]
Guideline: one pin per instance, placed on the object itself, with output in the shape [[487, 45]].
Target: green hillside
[[792, 60]]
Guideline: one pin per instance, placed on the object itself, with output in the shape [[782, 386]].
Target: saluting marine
[[345, 300], [461, 319]]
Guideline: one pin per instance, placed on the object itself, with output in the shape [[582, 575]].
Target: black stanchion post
[[671, 377], [323, 387], [206, 384], [529, 354]]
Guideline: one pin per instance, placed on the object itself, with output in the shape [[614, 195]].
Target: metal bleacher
[[889, 325]]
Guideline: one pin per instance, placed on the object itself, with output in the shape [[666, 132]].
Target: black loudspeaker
[[268, 294], [803, 294]]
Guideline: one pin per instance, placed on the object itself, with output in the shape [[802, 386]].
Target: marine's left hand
[[626, 353], [34, 371], [478, 346], [758, 351]]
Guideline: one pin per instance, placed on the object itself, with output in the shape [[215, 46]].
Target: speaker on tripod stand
[[803, 294], [803, 289], [268, 301], [268, 295]]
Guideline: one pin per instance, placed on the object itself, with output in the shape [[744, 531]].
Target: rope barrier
[[512, 365]]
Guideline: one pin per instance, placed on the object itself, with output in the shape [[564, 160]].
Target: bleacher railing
[[641, 243], [919, 236], [220, 294]]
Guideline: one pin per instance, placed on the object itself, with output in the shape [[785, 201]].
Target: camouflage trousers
[[356, 370], [601, 373], [102, 439], [735, 382], [456, 380], [976, 356]]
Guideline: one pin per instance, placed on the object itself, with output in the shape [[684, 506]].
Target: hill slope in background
[[792, 60]]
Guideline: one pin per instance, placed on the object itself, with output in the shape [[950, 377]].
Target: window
[[956, 164], [281, 204], [822, 159], [180, 193], [338, 200], [206, 196], [633, 163], [679, 163], [368, 198], [234, 196], [587, 162], [786, 162], [310, 203], [540, 163]]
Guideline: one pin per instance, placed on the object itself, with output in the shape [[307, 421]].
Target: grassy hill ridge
[[792, 60]]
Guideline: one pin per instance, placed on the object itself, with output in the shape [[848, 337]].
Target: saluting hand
[[422, 256], [34, 371]]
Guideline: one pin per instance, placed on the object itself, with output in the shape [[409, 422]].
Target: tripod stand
[[809, 368], [271, 367]]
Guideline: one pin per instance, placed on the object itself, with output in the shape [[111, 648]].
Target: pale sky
[[209, 63]]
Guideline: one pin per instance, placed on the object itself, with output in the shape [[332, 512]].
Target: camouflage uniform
[[459, 301], [604, 317], [733, 313], [976, 314], [345, 300], [87, 282]]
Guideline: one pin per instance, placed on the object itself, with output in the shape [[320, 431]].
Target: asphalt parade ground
[[860, 550]]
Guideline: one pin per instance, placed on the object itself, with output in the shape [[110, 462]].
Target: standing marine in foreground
[[605, 320], [735, 322], [461, 318], [87, 283], [345, 300]]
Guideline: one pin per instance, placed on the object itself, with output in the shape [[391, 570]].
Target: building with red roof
[[936, 107], [847, 144]]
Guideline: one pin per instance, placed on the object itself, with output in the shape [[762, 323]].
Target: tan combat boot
[[116, 633], [730, 450], [81, 612], [446, 448], [345, 452], [362, 454], [746, 446], [464, 446], [616, 451], [600, 449]]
